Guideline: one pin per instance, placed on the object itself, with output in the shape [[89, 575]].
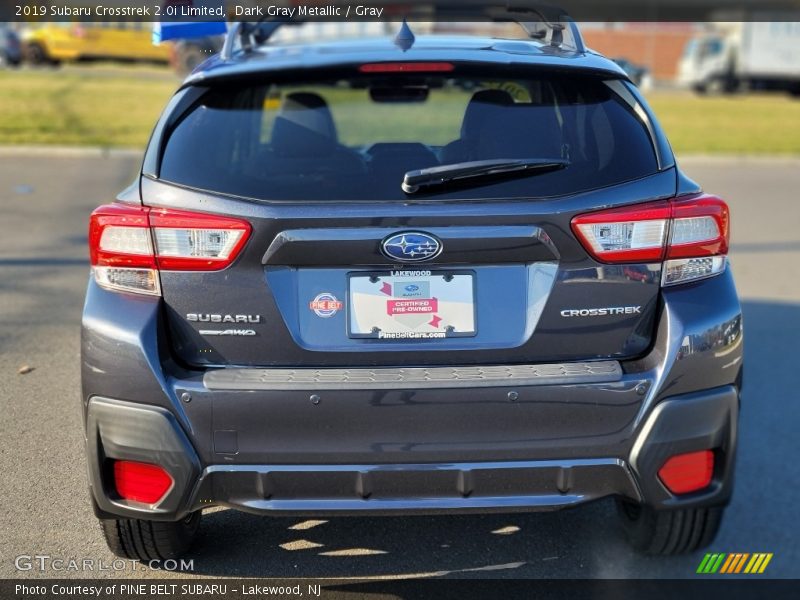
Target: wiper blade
[[442, 175]]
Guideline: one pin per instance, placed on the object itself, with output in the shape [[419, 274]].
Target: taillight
[[196, 242], [689, 234], [625, 235], [121, 249], [698, 242], [690, 472], [129, 244], [141, 482]]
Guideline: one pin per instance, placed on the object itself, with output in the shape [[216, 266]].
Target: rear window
[[354, 139]]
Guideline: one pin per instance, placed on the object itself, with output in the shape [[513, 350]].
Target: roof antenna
[[405, 37]]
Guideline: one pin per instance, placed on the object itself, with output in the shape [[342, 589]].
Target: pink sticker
[[412, 307]]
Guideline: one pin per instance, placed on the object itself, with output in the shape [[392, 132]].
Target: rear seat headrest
[[481, 107], [304, 126]]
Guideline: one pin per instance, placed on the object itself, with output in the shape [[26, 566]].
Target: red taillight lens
[[690, 234], [119, 236], [121, 249], [690, 472], [625, 235], [196, 242], [141, 482], [700, 227], [128, 243], [407, 67]]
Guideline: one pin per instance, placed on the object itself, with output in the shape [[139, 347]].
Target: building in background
[[656, 46]]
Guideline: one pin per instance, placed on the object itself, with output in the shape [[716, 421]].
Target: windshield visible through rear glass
[[354, 139]]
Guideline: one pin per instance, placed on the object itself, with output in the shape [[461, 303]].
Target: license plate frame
[[405, 311]]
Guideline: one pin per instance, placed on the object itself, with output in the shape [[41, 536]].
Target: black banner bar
[[39, 11], [731, 588]]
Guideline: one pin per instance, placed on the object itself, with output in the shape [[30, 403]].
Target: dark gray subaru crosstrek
[[394, 276]]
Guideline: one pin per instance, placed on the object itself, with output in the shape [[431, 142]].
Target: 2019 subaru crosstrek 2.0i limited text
[[459, 275]]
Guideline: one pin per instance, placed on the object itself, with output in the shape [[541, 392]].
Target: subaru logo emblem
[[411, 246]]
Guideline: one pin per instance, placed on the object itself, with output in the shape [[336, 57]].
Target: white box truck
[[735, 56]]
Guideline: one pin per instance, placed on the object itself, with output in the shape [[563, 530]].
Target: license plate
[[411, 305]]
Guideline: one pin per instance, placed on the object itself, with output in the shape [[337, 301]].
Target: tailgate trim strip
[[413, 377]]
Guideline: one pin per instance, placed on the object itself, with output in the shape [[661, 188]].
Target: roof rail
[[540, 19], [250, 34], [234, 31], [541, 22], [535, 31]]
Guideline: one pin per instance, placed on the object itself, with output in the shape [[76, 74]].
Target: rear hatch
[[480, 264]]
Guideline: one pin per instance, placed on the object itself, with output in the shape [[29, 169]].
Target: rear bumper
[[535, 441], [149, 434]]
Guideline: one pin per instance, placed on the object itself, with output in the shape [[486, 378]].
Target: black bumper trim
[[706, 420], [414, 488], [121, 430]]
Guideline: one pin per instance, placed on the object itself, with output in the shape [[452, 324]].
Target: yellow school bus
[[53, 43]]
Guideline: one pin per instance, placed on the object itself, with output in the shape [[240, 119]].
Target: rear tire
[[668, 532], [35, 55], [150, 540], [731, 85]]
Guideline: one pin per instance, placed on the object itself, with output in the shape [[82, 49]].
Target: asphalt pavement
[[44, 204]]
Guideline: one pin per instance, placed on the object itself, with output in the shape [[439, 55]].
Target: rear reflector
[[690, 233], [141, 482], [129, 244], [684, 473], [407, 67]]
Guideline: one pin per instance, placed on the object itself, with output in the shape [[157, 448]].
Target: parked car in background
[[638, 74], [10, 47], [54, 43], [186, 55]]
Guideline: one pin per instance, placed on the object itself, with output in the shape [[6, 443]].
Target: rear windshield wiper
[[442, 175]]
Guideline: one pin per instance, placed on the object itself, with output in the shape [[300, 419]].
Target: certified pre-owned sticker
[[325, 305]]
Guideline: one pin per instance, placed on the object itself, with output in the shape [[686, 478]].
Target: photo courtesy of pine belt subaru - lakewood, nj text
[[410, 275]]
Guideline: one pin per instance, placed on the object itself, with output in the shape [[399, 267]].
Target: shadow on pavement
[[422, 546]]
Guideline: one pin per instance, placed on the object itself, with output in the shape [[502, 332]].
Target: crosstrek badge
[[325, 305]]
